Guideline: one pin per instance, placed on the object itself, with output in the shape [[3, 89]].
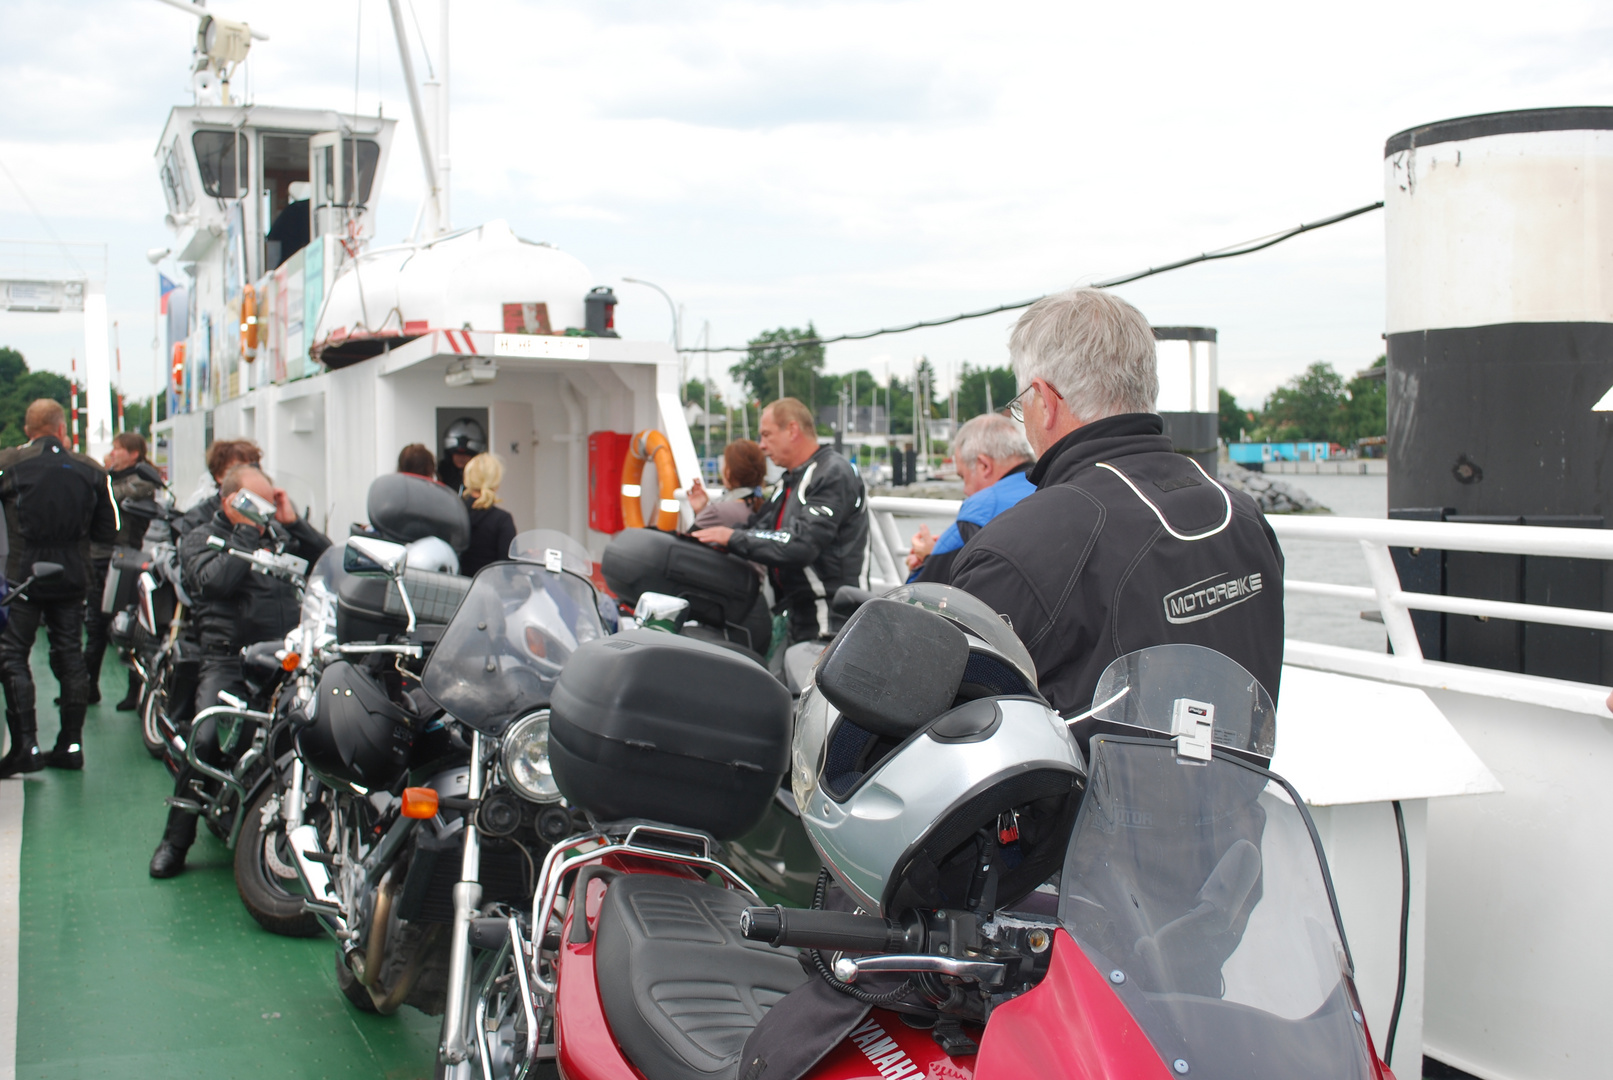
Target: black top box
[[721, 589], [647, 724]]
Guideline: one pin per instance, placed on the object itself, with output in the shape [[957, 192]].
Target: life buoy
[[249, 323], [644, 447]]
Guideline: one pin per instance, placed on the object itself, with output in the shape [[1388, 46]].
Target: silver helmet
[[929, 772], [464, 436]]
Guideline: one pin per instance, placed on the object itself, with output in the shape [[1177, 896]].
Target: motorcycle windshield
[[547, 546], [500, 656], [319, 599], [1198, 890], [1143, 689]]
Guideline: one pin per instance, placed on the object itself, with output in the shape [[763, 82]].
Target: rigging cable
[[1248, 247]]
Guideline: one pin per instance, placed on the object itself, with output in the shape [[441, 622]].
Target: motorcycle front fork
[[467, 898]]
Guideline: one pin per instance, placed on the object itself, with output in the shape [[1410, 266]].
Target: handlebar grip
[[808, 928]]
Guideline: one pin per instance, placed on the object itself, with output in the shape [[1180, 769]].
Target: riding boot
[[24, 756], [69, 750], [169, 858], [131, 700]]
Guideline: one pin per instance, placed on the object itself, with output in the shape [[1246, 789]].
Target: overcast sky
[[852, 164]]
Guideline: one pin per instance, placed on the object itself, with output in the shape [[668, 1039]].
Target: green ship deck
[[118, 975]]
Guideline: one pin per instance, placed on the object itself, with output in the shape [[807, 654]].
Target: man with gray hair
[[992, 456], [1125, 544]]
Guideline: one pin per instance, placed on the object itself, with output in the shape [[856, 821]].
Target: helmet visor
[[972, 616]]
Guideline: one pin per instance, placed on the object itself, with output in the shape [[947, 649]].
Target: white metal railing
[[1373, 537]]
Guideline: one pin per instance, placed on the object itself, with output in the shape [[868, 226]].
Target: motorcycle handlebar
[[841, 931]]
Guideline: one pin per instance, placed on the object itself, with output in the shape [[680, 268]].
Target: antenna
[[221, 45]]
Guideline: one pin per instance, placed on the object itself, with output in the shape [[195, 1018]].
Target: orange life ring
[[646, 446], [249, 323]]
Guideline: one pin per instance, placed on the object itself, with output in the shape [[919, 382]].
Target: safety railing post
[[1396, 615]]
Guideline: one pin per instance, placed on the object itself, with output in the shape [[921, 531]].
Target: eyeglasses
[[1016, 407]]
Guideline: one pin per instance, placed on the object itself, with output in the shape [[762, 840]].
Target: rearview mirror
[[370, 555], [43, 570]]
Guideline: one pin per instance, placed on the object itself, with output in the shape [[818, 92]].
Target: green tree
[[19, 387], [1310, 406], [776, 350], [1368, 408], [695, 390], [1234, 421], [972, 383]]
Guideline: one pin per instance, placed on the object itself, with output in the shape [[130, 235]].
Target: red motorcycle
[[1007, 893]]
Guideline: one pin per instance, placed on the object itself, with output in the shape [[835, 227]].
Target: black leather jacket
[[1124, 545], [812, 536], [234, 605]]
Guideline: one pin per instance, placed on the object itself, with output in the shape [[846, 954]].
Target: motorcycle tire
[[353, 990], [262, 887], [150, 709]]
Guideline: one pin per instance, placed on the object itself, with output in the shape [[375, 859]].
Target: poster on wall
[[235, 255]]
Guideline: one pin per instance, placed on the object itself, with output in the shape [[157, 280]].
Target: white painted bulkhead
[[325, 438]]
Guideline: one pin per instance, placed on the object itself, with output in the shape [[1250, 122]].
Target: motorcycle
[[401, 818], [1007, 892], [149, 632]]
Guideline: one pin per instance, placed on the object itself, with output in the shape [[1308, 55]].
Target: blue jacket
[[976, 511]]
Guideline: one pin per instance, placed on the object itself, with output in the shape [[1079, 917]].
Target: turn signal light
[[291, 662], [419, 802]]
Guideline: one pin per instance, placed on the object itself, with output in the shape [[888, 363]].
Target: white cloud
[[853, 164]]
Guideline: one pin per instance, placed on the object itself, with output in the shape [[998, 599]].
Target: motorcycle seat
[[681, 989]]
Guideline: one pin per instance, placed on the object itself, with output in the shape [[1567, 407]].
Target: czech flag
[[166, 287]]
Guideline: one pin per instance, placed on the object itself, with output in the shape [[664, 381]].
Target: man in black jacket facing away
[[1124, 544], [56, 504], [812, 534], [236, 607]]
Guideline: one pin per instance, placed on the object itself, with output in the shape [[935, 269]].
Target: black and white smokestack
[[1499, 233]]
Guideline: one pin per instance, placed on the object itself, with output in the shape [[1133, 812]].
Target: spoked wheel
[[266, 876], [156, 700], [495, 1024]]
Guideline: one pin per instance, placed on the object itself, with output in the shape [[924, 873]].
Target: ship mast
[[431, 132]]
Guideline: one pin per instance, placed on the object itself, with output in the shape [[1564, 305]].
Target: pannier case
[[123, 571], [369, 607], [647, 724], [404, 508]]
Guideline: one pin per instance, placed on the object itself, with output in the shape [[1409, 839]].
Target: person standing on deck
[[122, 462], [813, 533], [993, 457], [1124, 544], [492, 529], [235, 608], [57, 503]]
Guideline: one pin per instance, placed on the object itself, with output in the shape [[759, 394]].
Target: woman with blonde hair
[[491, 527]]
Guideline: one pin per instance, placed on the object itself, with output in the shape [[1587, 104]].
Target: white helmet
[[929, 772], [432, 553]]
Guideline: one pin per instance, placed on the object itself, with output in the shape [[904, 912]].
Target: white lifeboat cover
[[458, 282]]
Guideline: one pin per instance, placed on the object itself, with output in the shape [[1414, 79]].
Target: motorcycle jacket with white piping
[[1126, 544], [812, 536]]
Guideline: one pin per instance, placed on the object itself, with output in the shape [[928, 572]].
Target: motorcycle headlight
[[526, 758]]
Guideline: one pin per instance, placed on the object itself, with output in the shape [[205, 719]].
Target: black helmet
[[464, 436], [357, 737]]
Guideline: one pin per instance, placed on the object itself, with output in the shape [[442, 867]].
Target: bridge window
[[222, 159]]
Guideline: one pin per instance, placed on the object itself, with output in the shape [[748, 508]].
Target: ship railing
[[1372, 538]]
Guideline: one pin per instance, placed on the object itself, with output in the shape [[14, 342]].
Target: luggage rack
[[639, 841]]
